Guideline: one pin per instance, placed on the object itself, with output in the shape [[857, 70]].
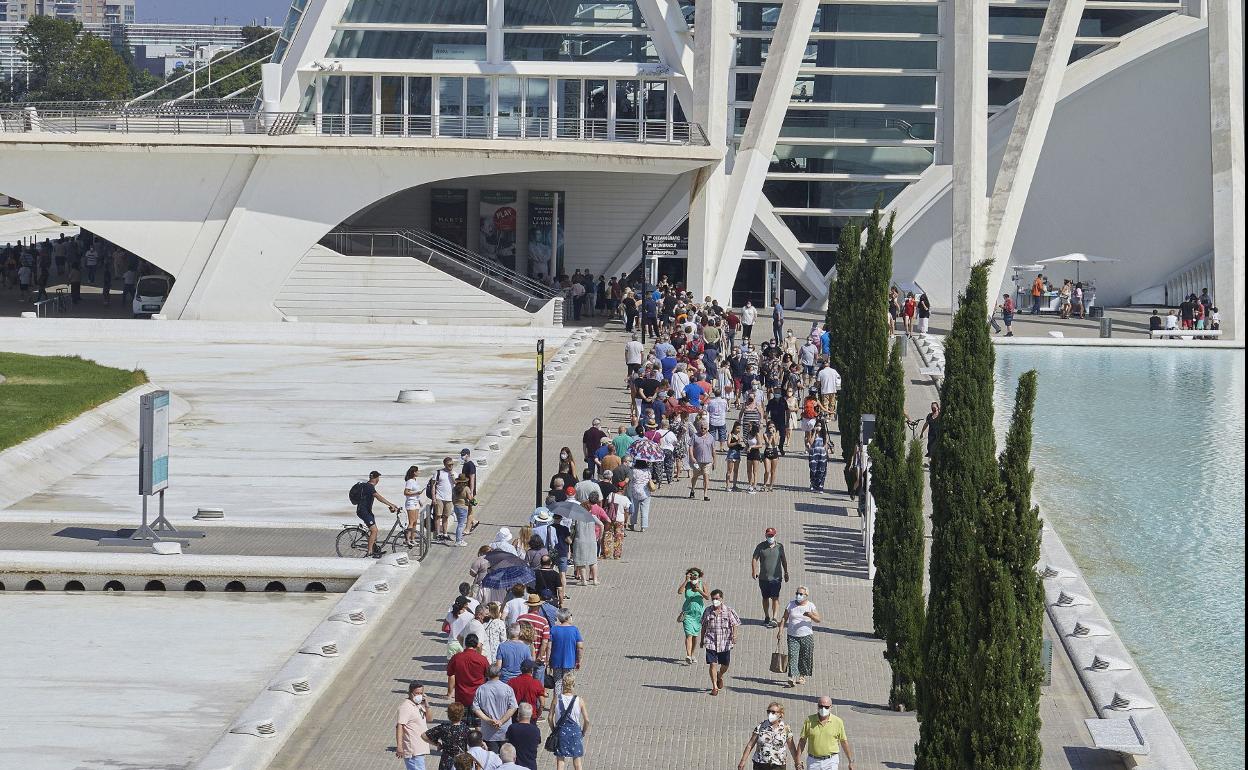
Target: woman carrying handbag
[[569, 724]]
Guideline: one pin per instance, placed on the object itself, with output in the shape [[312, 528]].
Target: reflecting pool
[[1139, 458]]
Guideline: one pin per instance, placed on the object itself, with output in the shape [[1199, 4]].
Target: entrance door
[[596, 96], [750, 283]]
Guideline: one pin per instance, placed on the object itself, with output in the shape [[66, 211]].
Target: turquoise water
[[1139, 458]]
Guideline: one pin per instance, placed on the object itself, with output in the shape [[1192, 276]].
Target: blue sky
[[203, 11]]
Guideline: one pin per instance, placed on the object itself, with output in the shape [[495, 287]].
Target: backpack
[[358, 494]]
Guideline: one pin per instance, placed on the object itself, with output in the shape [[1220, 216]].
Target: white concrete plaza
[[278, 431], [136, 680]]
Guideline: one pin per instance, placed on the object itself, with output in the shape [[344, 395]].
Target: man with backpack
[[362, 494], [441, 491]]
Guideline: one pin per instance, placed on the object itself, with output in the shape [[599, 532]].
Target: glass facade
[[425, 12], [562, 13], [577, 47], [379, 44]]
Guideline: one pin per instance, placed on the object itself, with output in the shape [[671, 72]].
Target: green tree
[[1012, 601], [897, 487], [904, 648], [48, 44], [966, 490], [66, 65]]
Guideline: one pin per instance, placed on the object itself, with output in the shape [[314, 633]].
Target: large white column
[[1032, 116], [713, 41], [970, 137], [1226, 122], [753, 156]]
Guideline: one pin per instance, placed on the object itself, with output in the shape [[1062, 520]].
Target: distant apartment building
[[86, 11]]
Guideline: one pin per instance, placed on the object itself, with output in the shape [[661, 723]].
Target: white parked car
[[150, 294]]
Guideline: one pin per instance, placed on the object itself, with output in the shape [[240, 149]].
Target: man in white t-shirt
[[633, 355], [443, 493], [717, 419], [799, 622], [829, 384], [515, 607]]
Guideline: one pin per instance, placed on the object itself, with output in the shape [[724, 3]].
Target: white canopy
[[1077, 257]]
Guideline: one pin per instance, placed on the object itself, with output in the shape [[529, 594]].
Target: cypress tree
[[966, 490], [840, 321], [888, 488], [904, 648], [1020, 551]]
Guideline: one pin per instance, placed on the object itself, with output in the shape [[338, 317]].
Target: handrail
[[232, 117], [491, 276]]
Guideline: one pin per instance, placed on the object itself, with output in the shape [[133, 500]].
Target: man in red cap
[[769, 567]]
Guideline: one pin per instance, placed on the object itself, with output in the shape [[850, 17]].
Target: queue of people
[[514, 653]]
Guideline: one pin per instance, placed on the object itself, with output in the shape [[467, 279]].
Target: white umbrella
[[1078, 259]]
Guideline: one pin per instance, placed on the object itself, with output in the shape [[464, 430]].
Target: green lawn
[[42, 392]]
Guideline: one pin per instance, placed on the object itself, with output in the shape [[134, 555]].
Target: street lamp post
[[541, 408]]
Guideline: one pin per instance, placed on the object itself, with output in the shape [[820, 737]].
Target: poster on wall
[[448, 214], [545, 232], [498, 226]]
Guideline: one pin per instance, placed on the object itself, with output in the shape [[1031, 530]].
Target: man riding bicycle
[[365, 492]]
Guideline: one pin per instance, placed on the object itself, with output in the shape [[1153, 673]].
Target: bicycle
[[353, 539]]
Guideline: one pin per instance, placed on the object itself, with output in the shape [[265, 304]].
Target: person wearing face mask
[[693, 593], [823, 739], [410, 728], [769, 742], [771, 569], [719, 636], [799, 622]]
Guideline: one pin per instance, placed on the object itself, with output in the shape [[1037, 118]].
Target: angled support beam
[[779, 240], [715, 22], [665, 217], [311, 41], [1031, 125], [749, 170], [674, 46], [1226, 122], [970, 138]]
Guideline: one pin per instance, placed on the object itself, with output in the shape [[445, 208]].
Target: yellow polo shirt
[[823, 739]]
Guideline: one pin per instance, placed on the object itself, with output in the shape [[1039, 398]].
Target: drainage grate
[[1119, 702], [325, 650], [1081, 630], [1049, 572], [1098, 664]]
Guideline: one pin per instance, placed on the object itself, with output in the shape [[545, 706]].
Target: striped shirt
[[541, 627]]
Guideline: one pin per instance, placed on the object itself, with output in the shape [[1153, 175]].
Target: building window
[[575, 47], [830, 195], [408, 12], [376, 44], [846, 124], [544, 13]]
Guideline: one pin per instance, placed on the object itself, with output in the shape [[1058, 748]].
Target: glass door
[[419, 106], [360, 118], [627, 110], [390, 117], [333, 104], [596, 96], [655, 104], [773, 282], [450, 106], [508, 107], [477, 108], [537, 107], [569, 105]]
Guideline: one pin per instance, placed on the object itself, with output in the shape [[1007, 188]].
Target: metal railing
[[484, 273], [184, 119]]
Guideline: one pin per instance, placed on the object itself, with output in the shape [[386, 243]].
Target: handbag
[[552, 740], [779, 661]]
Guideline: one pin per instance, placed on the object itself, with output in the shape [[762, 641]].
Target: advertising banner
[[545, 233], [498, 226], [448, 214]]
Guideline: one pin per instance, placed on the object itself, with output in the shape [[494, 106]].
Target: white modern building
[[516, 138]]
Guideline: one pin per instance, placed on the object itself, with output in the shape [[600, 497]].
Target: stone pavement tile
[[647, 708]]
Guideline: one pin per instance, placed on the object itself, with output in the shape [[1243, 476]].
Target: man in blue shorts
[[719, 636], [364, 493]]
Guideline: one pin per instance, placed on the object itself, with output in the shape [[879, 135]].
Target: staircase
[[483, 273]]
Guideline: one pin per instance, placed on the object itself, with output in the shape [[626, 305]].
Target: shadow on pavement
[[834, 550], [91, 533]]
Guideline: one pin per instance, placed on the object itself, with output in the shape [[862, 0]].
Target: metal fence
[[31, 119]]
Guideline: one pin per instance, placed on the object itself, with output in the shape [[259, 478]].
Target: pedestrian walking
[[799, 625], [719, 636], [569, 720], [823, 739], [777, 320], [931, 426], [410, 744], [771, 743], [818, 459], [770, 568], [749, 315], [732, 458], [829, 383], [694, 596], [701, 460]]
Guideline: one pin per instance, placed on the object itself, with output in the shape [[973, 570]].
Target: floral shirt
[[452, 740], [773, 741]]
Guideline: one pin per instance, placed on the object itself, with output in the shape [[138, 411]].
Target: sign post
[[539, 495], [654, 247], [153, 475]]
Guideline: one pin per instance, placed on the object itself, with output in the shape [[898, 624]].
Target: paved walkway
[[648, 709]]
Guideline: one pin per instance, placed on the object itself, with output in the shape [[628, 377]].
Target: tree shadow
[[834, 550], [1089, 758], [652, 659], [846, 633], [831, 510]]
